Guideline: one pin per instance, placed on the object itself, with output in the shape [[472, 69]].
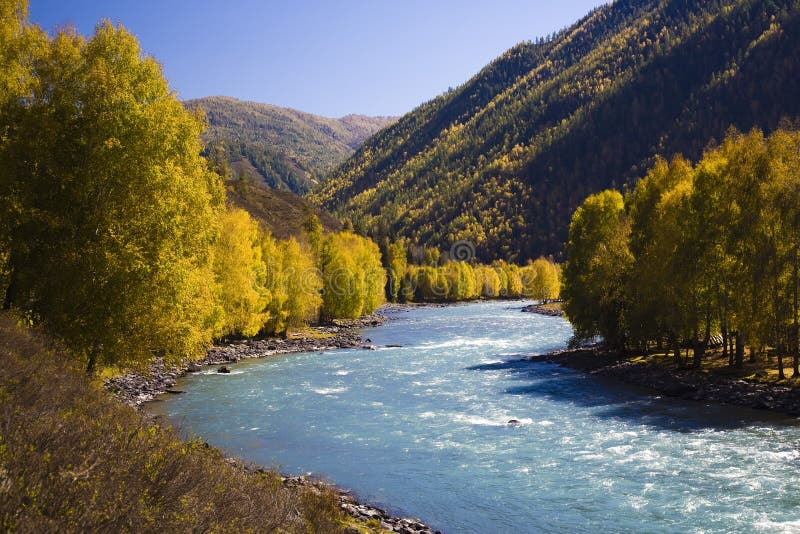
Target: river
[[423, 430]]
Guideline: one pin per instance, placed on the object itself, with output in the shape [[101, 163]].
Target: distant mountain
[[279, 147], [280, 212], [504, 159]]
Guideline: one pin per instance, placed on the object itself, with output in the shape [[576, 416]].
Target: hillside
[[280, 212], [279, 147], [75, 460], [504, 159]]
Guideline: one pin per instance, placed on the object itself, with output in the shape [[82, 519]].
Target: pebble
[[364, 512], [137, 388]]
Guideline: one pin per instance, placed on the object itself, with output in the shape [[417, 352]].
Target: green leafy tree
[[113, 212], [353, 277], [594, 275], [784, 170]]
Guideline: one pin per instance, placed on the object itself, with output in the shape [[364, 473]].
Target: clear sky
[[334, 57]]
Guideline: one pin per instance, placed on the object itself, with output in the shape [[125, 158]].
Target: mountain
[[504, 159], [279, 147], [280, 212]]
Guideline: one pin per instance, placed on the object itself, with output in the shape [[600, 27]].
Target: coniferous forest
[[504, 159]]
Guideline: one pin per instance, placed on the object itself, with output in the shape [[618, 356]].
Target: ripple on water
[[424, 429]]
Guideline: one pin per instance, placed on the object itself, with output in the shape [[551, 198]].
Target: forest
[[115, 233], [695, 252], [280, 148], [503, 160], [425, 274]]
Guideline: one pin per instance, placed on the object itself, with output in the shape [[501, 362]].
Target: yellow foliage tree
[[240, 275]]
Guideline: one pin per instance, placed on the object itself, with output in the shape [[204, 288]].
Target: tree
[[240, 275], [114, 211], [597, 264], [312, 228], [396, 262], [658, 284], [784, 195], [294, 281], [541, 280], [353, 277]]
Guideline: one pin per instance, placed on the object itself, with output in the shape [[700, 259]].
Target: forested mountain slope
[[504, 159], [283, 213], [280, 147]]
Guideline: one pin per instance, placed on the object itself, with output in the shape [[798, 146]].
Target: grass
[[72, 459], [310, 333], [558, 306], [281, 212], [763, 369]]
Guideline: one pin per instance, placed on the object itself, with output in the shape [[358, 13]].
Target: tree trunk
[[739, 350], [92, 362], [699, 352], [796, 326], [724, 341], [8, 299], [731, 341]]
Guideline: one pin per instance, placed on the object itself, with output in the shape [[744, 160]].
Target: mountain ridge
[[281, 148], [504, 159]]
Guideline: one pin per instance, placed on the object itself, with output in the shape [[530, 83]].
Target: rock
[[224, 370], [174, 391]]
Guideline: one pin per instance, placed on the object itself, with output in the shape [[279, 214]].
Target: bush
[[73, 459]]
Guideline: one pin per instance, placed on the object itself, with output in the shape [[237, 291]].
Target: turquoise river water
[[422, 430]]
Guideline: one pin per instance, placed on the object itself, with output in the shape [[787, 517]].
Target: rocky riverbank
[[543, 309], [684, 383], [364, 513], [135, 388]]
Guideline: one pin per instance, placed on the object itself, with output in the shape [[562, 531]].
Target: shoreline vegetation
[[74, 458], [696, 256]]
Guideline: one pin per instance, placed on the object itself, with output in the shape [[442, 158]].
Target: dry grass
[[763, 369], [310, 333], [281, 212], [72, 459], [557, 306]]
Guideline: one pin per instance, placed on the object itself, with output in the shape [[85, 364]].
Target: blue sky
[[376, 57]]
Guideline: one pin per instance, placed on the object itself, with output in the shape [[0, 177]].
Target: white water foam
[[329, 391]]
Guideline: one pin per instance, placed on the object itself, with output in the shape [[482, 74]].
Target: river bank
[[135, 388], [715, 385]]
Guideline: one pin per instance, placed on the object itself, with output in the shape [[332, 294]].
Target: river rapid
[[423, 429]]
